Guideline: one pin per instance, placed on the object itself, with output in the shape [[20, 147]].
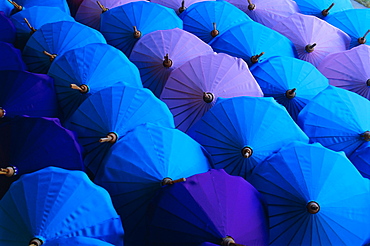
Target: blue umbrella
[[253, 42], [80, 241], [11, 58], [53, 39], [124, 25], [6, 7], [25, 93], [147, 158], [106, 116], [20, 5], [28, 144], [80, 72], [292, 82], [322, 8], [315, 196], [354, 22], [241, 132], [360, 158], [7, 29], [56, 203], [338, 119], [29, 20], [209, 19]]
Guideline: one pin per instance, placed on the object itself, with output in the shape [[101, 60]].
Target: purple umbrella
[[212, 207], [7, 29], [11, 58], [178, 5], [193, 88], [313, 38], [158, 53], [349, 70]]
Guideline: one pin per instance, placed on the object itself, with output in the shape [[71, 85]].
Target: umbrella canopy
[[315, 196], [7, 29], [11, 58], [20, 5], [80, 241], [31, 19], [89, 11], [322, 8], [209, 207], [106, 116], [147, 158], [349, 70], [241, 132], [354, 22], [193, 88], [73, 6], [6, 7], [28, 144], [53, 39], [292, 82], [80, 72], [313, 38], [267, 12], [61, 204], [208, 19], [25, 93], [158, 53], [360, 158], [124, 25], [253, 42], [178, 5], [338, 119]]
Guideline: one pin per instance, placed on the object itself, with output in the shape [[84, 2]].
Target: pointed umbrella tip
[[313, 207], [255, 58], [82, 88], [214, 32], [16, 6], [362, 40], [103, 8], [111, 137], [137, 33], [208, 97], [51, 56], [251, 6], [325, 12], [169, 181], [182, 8], [247, 152], [290, 94], [33, 30], [310, 47], [167, 62]]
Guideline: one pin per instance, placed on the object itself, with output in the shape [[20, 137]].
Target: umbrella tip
[[2, 112], [313, 207], [167, 62], [82, 88], [29, 25], [208, 97], [362, 40], [16, 6], [325, 12], [137, 33], [366, 136], [103, 9], [51, 56], [255, 58], [368, 82], [251, 6], [169, 181], [9, 171], [182, 8], [247, 152], [229, 241], [35, 242], [214, 32], [310, 47], [290, 94], [110, 138]]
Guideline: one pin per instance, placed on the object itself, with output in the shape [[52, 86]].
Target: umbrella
[[147, 158], [25, 93], [208, 19], [313, 38], [349, 70], [28, 144], [292, 82], [11, 58], [106, 116], [158, 53], [267, 12], [338, 119], [29, 20], [53, 39], [56, 203], [89, 11], [360, 158], [209, 207], [178, 5], [322, 8], [6, 7], [354, 22], [80, 72], [124, 25], [20, 5], [253, 42], [314, 195], [193, 88], [241, 132], [73, 6], [80, 241], [7, 29]]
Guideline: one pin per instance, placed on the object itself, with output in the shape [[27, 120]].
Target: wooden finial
[[290, 94], [214, 32], [110, 138], [310, 47], [362, 40], [35, 242], [2, 112], [169, 181], [325, 12], [255, 58], [82, 88], [103, 9], [208, 97], [247, 152], [368, 82], [9, 171], [29, 25], [313, 207], [182, 8], [16, 6], [251, 6], [137, 33], [167, 62], [366, 136], [51, 56], [229, 241]]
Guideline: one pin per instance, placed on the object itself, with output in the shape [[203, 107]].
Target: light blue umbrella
[[322, 8], [20, 5]]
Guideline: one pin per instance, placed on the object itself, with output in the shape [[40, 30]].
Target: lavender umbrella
[[11, 58], [193, 88], [313, 38], [7, 29], [178, 5], [349, 70], [158, 53], [210, 207]]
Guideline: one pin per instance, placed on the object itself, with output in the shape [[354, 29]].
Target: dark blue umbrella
[[53, 39], [253, 42], [106, 116], [124, 25], [25, 93], [360, 158], [20, 5], [80, 241], [55, 203], [7, 29], [28, 144], [241, 132], [11, 58], [315, 196], [338, 119], [80, 72], [292, 82], [209, 19], [322, 8], [145, 159]]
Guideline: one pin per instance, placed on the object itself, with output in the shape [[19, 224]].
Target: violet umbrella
[[178, 5], [7, 29], [11, 58], [349, 70], [313, 38], [193, 88], [267, 12], [158, 53], [212, 207], [28, 144]]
